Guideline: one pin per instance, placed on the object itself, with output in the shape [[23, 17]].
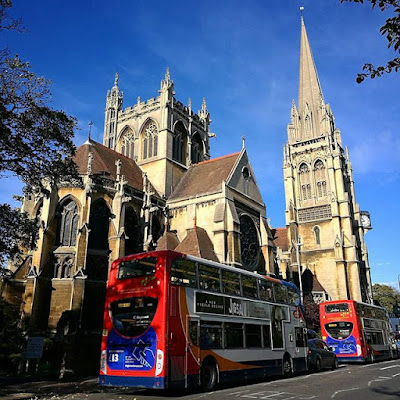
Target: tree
[[386, 295], [35, 140], [391, 29], [311, 313]]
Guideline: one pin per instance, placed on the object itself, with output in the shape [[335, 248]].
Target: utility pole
[[298, 244]]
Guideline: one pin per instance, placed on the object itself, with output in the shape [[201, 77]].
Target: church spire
[[310, 92]]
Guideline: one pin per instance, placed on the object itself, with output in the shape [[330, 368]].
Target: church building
[[324, 235], [150, 185]]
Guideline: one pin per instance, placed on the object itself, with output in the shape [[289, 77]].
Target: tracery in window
[[128, 144], [149, 140], [305, 182], [68, 224], [320, 178], [197, 149], [249, 245], [179, 142], [317, 233]]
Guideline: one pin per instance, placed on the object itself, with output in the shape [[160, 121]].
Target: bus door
[[192, 359]]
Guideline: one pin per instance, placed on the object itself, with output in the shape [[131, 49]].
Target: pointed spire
[[116, 79], [309, 87], [243, 142], [167, 75]]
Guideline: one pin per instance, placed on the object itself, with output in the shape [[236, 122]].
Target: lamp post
[[297, 244]]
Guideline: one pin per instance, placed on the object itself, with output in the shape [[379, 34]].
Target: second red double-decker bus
[[173, 320], [356, 331]]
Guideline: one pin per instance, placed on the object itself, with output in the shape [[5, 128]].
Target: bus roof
[[351, 301]]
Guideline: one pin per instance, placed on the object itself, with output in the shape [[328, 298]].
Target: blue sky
[[243, 56]]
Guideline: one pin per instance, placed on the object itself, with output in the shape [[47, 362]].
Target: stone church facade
[[325, 227], [150, 185]]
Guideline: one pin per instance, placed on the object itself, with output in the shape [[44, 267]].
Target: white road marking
[[343, 390], [390, 366]]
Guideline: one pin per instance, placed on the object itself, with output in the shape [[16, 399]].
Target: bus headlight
[[103, 362], [159, 362]]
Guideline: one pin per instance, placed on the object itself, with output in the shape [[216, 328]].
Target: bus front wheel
[[208, 376], [371, 357], [287, 369]]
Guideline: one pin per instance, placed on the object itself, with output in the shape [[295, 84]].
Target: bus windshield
[[137, 268], [339, 330], [334, 308], [132, 316]]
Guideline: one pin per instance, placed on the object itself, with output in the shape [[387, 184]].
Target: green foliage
[[386, 295], [311, 313], [36, 142], [12, 341], [391, 29]]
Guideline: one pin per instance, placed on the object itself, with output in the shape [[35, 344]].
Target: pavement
[[34, 388]]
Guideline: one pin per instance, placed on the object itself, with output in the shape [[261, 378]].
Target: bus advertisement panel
[[356, 331], [173, 320]]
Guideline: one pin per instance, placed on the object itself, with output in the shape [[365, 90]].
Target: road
[[349, 382]]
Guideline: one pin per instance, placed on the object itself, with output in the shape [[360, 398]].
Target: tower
[[321, 209], [113, 107], [162, 135]]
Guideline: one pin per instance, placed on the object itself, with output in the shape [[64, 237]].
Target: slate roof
[[104, 162], [280, 238], [168, 241], [204, 177], [197, 243]]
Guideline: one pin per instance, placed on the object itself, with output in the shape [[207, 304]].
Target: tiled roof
[[198, 244], [204, 177], [280, 238], [104, 162], [168, 241]]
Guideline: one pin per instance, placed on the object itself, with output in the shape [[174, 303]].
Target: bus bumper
[[350, 359], [132, 381]]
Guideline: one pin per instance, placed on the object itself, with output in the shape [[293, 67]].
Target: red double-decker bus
[[173, 320], [356, 331]]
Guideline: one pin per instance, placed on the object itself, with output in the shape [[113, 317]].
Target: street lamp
[[297, 244]]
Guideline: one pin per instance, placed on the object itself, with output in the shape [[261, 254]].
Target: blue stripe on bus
[[133, 381]]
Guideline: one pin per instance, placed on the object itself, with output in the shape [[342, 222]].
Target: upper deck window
[[137, 268], [333, 308]]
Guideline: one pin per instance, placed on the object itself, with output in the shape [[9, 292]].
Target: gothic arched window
[[317, 233], [128, 144], [132, 243], [249, 244], [68, 224], [305, 182], [179, 140], [197, 149], [320, 178], [149, 140], [98, 225]]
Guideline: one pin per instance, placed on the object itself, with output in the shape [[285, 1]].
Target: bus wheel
[[371, 357], [208, 376], [287, 369]]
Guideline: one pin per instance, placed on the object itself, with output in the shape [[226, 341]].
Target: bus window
[[137, 268], [293, 296], [299, 333], [132, 316], [249, 286], [339, 330], [266, 336], [266, 290], [230, 282], [209, 278], [183, 272], [233, 335], [339, 307], [193, 332], [253, 335], [211, 335], [281, 293]]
